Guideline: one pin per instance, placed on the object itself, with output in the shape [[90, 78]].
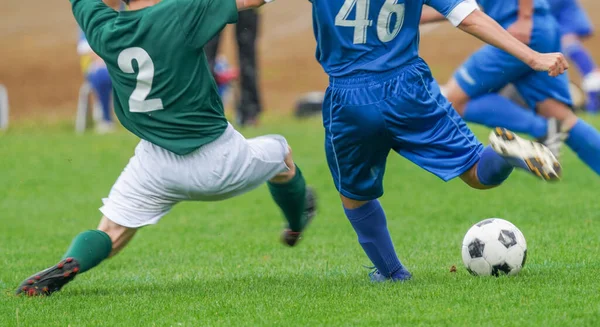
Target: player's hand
[[553, 63], [521, 30]]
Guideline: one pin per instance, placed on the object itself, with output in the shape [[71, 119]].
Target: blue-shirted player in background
[[474, 86], [382, 97], [96, 73], [575, 25]]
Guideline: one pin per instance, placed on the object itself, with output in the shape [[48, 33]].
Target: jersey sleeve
[[203, 19], [92, 16], [454, 10]]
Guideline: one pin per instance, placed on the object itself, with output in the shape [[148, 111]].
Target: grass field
[[209, 264]]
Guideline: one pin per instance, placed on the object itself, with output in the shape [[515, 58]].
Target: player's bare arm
[[486, 29], [521, 29], [430, 15]]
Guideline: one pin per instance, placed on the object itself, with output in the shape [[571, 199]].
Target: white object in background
[[83, 107], [4, 109]]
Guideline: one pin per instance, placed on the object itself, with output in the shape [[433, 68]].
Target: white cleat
[[532, 156]]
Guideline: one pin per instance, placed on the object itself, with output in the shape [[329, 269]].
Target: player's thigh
[[267, 158], [238, 165], [140, 197], [538, 87], [573, 19], [428, 132], [356, 143], [488, 70]]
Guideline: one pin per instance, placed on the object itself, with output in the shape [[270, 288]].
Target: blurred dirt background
[[40, 67]]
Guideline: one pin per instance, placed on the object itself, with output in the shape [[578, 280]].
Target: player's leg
[[473, 93], [581, 137], [246, 31], [87, 250], [370, 224], [100, 81], [578, 54], [294, 198], [439, 141], [575, 25], [357, 145], [233, 165], [137, 199]]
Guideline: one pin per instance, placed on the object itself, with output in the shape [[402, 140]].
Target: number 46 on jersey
[[385, 32]]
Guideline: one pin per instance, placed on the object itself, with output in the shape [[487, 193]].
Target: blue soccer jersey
[[373, 35], [505, 11]]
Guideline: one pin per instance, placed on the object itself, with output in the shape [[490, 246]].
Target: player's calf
[[370, 224], [297, 201]]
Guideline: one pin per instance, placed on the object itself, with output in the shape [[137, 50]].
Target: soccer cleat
[[291, 238], [533, 157], [554, 138], [50, 280], [399, 276]]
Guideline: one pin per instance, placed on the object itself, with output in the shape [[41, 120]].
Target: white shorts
[[156, 179]]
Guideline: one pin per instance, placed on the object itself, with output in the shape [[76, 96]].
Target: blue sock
[[593, 104], [493, 169], [494, 110], [585, 141], [100, 81], [581, 57], [371, 227]]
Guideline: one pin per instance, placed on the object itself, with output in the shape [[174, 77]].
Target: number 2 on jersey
[[385, 32], [145, 77]]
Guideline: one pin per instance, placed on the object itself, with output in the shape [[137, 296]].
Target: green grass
[[209, 264]]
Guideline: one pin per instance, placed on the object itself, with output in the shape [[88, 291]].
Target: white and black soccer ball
[[494, 247]]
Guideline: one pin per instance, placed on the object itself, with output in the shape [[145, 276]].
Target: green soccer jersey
[[163, 89]]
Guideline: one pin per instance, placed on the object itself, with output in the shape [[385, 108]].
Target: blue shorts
[[402, 110], [572, 18], [490, 69]]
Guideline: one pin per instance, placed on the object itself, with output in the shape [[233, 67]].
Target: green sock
[[291, 197], [89, 249]]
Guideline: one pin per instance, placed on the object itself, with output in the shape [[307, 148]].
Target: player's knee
[[551, 108], [286, 176], [351, 203], [470, 178]]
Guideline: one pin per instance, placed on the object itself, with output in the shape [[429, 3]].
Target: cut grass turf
[[222, 264]]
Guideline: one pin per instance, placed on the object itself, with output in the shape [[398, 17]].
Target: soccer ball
[[494, 247]]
